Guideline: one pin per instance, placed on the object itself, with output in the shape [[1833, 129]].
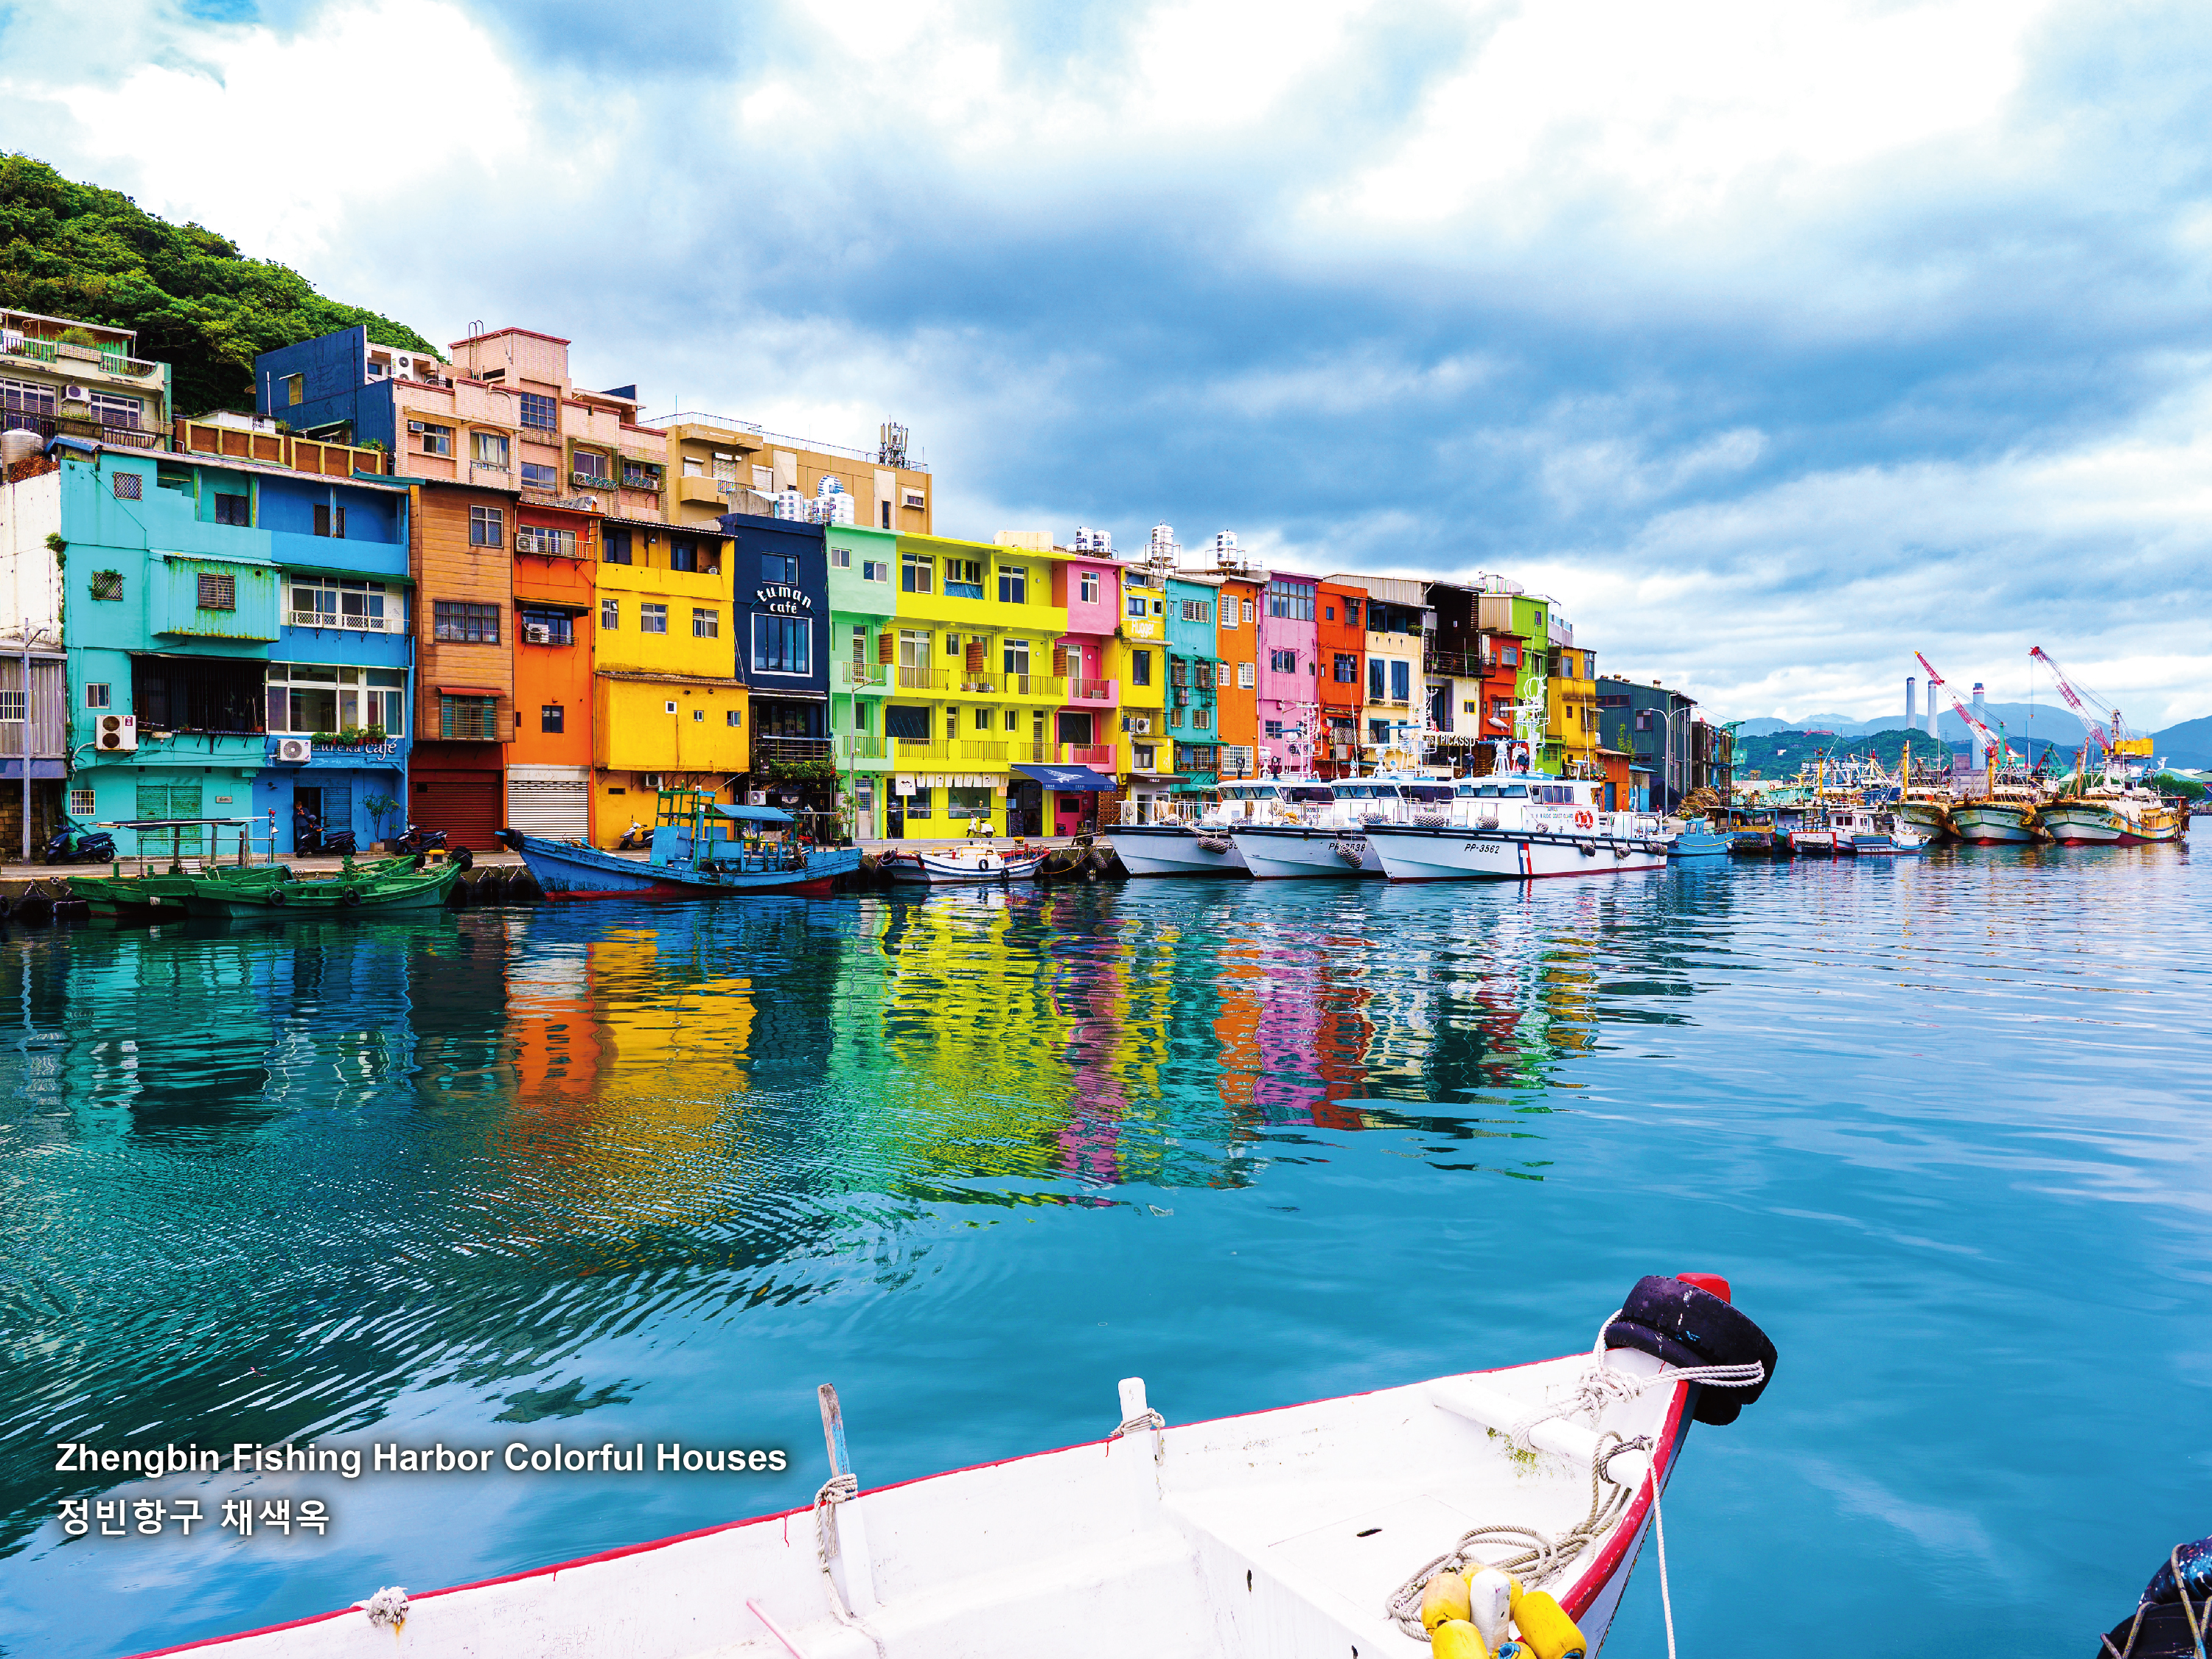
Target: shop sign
[[780, 600]]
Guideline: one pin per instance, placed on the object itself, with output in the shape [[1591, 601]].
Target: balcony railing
[[859, 675], [1091, 690], [1086, 754], [772, 750], [1465, 665], [47, 426], [860, 747], [584, 480], [50, 351], [983, 682]]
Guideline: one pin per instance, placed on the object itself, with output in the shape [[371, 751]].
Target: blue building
[[235, 630], [339, 385], [782, 602]]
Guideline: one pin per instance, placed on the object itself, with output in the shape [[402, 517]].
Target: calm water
[[610, 1173]]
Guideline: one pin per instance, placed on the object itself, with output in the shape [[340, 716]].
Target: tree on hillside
[[71, 250]]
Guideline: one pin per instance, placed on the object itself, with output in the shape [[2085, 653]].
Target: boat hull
[[1281, 1532], [2088, 823], [1412, 854], [1174, 849], [921, 870], [1931, 818], [1805, 843], [1994, 823], [323, 899], [1293, 853], [1692, 844], [567, 872]]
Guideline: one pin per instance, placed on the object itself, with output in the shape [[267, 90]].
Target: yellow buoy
[[1442, 1597], [1457, 1639], [1546, 1627]]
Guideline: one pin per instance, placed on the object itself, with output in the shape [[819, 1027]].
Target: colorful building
[[1341, 659], [1236, 679], [1289, 704], [718, 465], [1133, 637], [1194, 659], [780, 602], [863, 590], [63, 377], [556, 594], [1394, 646]]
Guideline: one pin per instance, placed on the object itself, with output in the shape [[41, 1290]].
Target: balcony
[[982, 682], [57, 352], [637, 478], [1461, 665], [583, 480], [551, 544], [863, 677], [771, 750], [1099, 755], [48, 426], [860, 747], [1101, 691]]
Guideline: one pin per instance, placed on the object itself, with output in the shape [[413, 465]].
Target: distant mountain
[[1768, 755], [2189, 744], [2046, 722]]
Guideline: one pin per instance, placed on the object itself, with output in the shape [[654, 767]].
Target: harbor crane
[[1993, 747], [2112, 743]]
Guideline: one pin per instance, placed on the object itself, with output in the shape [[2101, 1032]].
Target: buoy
[[1712, 1282], [1444, 1597], [1545, 1626], [1490, 1603], [1457, 1639]]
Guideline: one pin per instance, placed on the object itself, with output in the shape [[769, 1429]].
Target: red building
[[1341, 662]]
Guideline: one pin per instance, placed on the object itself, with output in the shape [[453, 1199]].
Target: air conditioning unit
[[653, 780], [74, 394], [297, 751], [414, 426], [116, 734], [536, 634], [756, 797]]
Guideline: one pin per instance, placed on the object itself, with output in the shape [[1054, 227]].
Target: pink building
[[1086, 730], [1289, 713]]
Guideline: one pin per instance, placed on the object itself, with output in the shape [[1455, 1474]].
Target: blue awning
[[755, 814], [1066, 777]]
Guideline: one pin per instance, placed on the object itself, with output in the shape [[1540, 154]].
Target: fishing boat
[[981, 865], [2173, 1618], [2008, 815], [1814, 837], [1344, 1526], [388, 885], [1863, 832], [2124, 815], [1518, 826], [1695, 840], [700, 848], [161, 885], [1319, 831]]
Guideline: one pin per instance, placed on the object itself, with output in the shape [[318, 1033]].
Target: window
[[736, 716], [296, 390], [698, 717], [885, 518], [231, 509], [81, 804], [311, 697], [706, 623], [1351, 613], [218, 592], [1013, 718], [1293, 600], [611, 613], [1378, 730], [128, 486], [913, 650], [963, 578], [1328, 613], [464, 623], [330, 522], [551, 718], [640, 475], [783, 645], [1274, 728], [1470, 707], [1247, 611], [592, 468], [875, 570], [1013, 584], [11, 707], [780, 568], [1140, 668], [96, 694], [914, 574], [983, 721], [1375, 693], [545, 627], [952, 724], [168, 476], [617, 544], [554, 544], [538, 411], [841, 558], [488, 449], [1282, 662], [537, 476], [652, 618], [1509, 655], [1345, 669], [434, 440], [1089, 587], [107, 584], [1247, 675], [487, 526], [468, 718], [909, 722], [1201, 716], [331, 602], [1015, 656], [1198, 610], [1643, 721], [1134, 604]]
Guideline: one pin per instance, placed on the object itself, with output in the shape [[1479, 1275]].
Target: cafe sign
[[780, 600]]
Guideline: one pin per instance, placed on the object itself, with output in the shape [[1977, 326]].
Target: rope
[[1145, 1420], [835, 1491], [1666, 1591], [2188, 1611]]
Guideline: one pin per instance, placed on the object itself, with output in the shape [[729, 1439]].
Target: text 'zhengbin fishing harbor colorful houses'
[[468, 593]]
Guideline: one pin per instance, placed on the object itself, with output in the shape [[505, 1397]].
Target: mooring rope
[[835, 1491]]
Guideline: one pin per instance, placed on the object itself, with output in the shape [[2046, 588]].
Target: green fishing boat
[[390, 884], [148, 897]]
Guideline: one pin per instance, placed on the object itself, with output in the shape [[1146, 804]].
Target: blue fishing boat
[[1697, 840], [700, 848]]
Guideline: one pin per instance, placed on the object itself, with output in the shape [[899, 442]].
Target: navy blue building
[[781, 598], [338, 385]]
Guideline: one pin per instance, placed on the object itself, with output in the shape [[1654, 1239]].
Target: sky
[[1775, 343]]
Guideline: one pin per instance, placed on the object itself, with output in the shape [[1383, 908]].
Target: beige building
[[1393, 711], [61, 376], [717, 465]]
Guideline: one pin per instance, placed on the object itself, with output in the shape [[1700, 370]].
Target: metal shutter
[[467, 812], [554, 807]]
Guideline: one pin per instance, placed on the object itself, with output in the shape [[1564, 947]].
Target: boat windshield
[[1309, 793], [1428, 792]]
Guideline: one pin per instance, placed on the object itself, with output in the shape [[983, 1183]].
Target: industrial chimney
[[1912, 701]]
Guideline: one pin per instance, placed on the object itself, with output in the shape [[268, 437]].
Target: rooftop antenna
[[890, 445]]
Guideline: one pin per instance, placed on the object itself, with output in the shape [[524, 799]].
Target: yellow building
[[717, 466], [1571, 704], [978, 673], [668, 708]]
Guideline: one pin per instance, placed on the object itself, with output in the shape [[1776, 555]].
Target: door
[[170, 800], [559, 809], [1067, 814], [466, 809], [895, 817]]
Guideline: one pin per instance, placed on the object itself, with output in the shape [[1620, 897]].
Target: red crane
[[1992, 745], [2075, 700]]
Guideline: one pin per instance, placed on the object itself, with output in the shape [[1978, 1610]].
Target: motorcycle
[[420, 841], [314, 841], [75, 844]]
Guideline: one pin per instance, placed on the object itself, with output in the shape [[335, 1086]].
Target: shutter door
[[554, 807], [467, 812], [180, 800]]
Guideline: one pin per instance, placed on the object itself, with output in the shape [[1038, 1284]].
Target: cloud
[[1775, 341]]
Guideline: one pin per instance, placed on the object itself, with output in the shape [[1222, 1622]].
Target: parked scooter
[[314, 841], [75, 844], [420, 842]]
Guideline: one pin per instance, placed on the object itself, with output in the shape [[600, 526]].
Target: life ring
[[1685, 1324], [1585, 821]]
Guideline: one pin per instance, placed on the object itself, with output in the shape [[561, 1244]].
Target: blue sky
[[1775, 343]]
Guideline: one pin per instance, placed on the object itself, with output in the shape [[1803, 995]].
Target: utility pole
[[27, 740]]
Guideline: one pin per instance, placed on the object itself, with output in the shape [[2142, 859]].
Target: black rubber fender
[[462, 856], [350, 897], [278, 896], [1685, 1324]]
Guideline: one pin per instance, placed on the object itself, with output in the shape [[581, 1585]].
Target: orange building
[[1341, 652], [1236, 690], [549, 762], [464, 665]]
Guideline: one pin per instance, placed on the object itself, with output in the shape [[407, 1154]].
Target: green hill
[[71, 250], [1779, 754]]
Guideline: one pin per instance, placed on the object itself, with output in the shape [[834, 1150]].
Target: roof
[[755, 814], [649, 677]]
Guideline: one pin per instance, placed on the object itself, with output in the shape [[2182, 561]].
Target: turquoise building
[[1194, 656], [236, 635]]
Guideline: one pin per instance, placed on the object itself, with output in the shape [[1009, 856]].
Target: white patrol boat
[[1321, 829], [1205, 845], [1516, 825]]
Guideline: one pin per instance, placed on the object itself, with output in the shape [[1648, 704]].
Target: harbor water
[[620, 1174]]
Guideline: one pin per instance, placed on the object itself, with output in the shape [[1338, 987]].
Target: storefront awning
[[467, 691], [1196, 781], [1066, 777]]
